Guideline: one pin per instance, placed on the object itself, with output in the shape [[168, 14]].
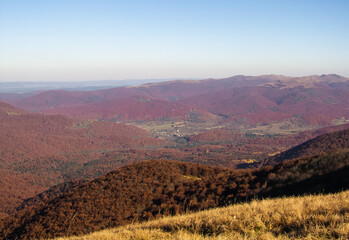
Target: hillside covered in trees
[[150, 189], [321, 144], [238, 100], [38, 151], [287, 218]]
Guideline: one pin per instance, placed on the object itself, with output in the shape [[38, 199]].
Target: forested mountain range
[[310, 100], [166, 148]]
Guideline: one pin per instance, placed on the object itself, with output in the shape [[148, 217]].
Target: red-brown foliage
[[313, 106], [136, 108], [313, 100], [215, 135], [37, 151], [325, 143], [149, 189], [162, 91]]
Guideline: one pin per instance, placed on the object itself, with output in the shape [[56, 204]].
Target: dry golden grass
[[310, 217]]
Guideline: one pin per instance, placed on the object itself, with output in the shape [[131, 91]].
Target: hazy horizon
[[68, 41]]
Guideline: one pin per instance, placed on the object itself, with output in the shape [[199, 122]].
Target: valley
[[181, 120], [166, 148]]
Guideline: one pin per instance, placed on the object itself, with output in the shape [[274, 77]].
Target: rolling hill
[[62, 149], [311, 101], [329, 142], [38, 151], [281, 218], [145, 190], [135, 108], [260, 104], [171, 90]]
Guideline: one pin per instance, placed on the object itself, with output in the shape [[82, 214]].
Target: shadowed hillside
[[150, 189], [325, 143], [306, 217]]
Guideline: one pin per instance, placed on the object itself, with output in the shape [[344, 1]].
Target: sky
[[84, 40]]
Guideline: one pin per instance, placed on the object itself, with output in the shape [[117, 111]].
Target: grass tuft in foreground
[[309, 217]]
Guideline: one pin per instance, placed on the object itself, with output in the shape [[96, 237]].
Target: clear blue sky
[[75, 40]]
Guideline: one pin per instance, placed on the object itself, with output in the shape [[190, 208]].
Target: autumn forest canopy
[[74, 162]]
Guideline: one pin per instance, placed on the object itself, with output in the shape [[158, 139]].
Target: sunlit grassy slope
[[309, 217]]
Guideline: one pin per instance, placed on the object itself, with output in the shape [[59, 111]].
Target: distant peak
[[331, 75]]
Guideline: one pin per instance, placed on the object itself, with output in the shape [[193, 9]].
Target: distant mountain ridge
[[313, 100], [134, 108], [25, 87]]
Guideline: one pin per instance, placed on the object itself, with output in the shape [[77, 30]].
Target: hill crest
[[149, 189]]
